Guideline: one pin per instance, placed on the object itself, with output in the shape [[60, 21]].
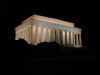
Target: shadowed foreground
[[52, 58]]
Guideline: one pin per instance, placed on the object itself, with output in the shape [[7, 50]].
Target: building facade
[[37, 29]]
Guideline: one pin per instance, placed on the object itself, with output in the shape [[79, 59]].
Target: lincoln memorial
[[37, 29]]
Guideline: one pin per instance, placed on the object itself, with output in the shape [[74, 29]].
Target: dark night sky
[[79, 13]]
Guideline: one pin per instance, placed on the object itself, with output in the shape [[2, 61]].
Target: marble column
[[24, 34], [17, 36], [53, 35], [63, 37], [67, 38], [38, 35], [20, 35], [36, 30], [49, 34], [71, 39], [80, 39], [41, 34], [58, 36], [29, 33], [74, 39], [77, 40], [44, 35], [34, 34]]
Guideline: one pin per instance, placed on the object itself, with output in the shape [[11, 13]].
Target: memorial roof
[[52, 20]]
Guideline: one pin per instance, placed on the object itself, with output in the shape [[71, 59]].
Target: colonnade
[[44, 34], [38, 34]]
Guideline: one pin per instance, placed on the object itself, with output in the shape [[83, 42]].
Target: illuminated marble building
[[37, 29]]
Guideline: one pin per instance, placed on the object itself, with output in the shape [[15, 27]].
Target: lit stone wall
[[37, 31], [24, 33]]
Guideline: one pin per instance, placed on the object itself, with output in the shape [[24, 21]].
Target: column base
[[78, 46]]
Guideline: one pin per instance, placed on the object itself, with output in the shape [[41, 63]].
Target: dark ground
[[52, 58]]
